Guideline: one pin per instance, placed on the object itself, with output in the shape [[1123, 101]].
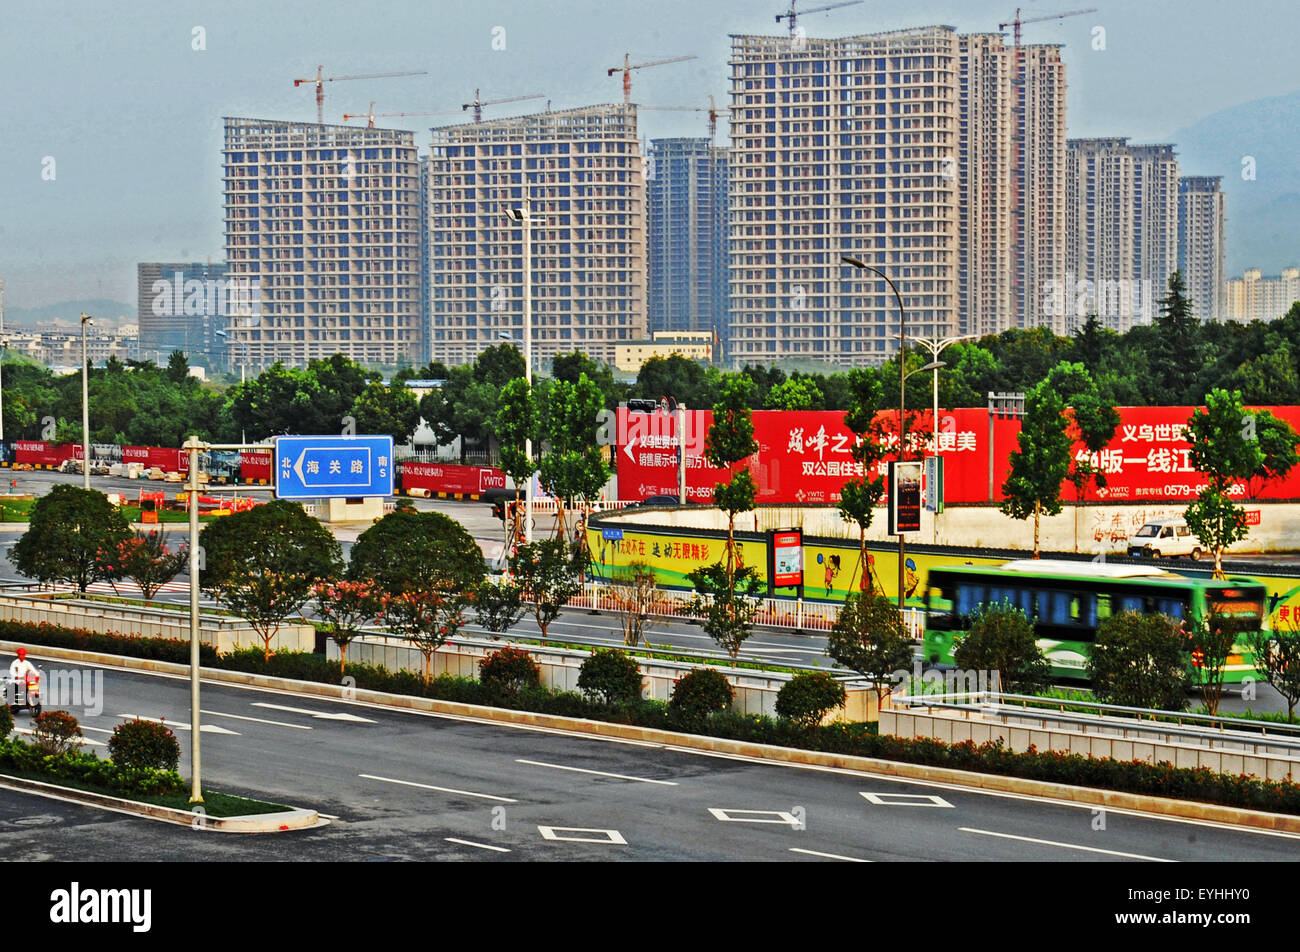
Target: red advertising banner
[[168, 460], [254, 466], [805, 457], [36, 453], [452, 478]]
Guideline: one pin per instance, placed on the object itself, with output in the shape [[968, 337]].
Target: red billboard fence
[[805, 457]]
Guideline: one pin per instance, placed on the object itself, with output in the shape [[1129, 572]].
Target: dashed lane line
[[429, 786], [598, 773]]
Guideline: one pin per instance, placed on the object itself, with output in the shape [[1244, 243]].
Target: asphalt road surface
[[408, 786]]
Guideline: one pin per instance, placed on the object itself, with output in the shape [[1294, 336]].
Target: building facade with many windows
[[580, 172], [322, 222], [1253, 297], [1121, 230], [687, 234], [1202, 222], [181, 306]]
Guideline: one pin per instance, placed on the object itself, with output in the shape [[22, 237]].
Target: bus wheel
[[1196, 555]]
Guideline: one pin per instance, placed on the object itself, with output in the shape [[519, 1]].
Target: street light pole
[[85, 404], [196, 790], [523, 215], [902, 414]]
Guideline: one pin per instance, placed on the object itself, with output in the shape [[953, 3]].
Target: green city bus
[[1066, 601]]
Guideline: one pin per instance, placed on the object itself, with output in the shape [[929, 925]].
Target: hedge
[[857, 739], [88, 770]]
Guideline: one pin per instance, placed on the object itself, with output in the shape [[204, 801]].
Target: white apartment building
[[916, 152], [1202, 222], [581, 172], [1121, 230], [1253, 297], [323, 221]]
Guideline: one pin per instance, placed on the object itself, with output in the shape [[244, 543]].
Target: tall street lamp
[[86, 319], [524, 218], [936, 346], [902, 415], [4, 346]]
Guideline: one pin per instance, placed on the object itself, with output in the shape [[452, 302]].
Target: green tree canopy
[[68, 530]]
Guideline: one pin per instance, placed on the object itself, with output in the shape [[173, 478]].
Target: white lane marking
[[327, 816], [1064, 846], [847, 859], [80, 740], [962, 788], [429, 786], [782, 816], [259, 720], [598, 773], [906, 800], [609, 837], [97, 730], [322, 715], [181, 725], [482, 846]]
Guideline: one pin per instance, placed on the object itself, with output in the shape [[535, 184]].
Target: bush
[[1140, 661], [510, 669], [701, 692], [808, 697], [1002, 639], [56, 733], [610, 676], [83, 767], [6, 719], [144, 744]]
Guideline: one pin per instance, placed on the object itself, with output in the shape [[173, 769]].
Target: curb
[[252, 823], [1112, 799]]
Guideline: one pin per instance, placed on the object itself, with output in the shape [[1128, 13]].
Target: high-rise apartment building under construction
[[580, 171], [322, 222]]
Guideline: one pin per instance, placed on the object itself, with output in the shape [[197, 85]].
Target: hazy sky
[[130, 113]]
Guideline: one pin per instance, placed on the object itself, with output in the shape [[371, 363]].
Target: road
[[409, 786]]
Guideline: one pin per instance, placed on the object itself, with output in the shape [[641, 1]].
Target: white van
[[1164, 538]]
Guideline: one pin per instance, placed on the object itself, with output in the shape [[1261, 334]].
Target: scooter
[[24, 694]]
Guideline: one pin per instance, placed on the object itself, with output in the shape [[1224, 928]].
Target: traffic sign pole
[[196, 790]]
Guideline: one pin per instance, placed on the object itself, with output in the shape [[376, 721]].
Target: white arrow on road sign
[[181, 725], [297, 467], [322, 715]]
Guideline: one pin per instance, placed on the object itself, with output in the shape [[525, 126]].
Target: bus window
[[1103, 607], [1172, 607], [969, 599], [1131, 603], [1059, 608]]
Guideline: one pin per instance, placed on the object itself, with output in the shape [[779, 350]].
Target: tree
[[145, 559], [634, 593], [573, 469], [1211, 640], [548, 574], [345, 607], [426, 568], [1002, 640], [1140, 661], [1229, 445], [1277, 659], [730, 440], [727, 600], [869, 637], [611, 676], [1039, 467], [264, 563], [68, 529], [498, 606], [1176, 343], [794, 394], [386, 411], [517, 422], [860, 495]]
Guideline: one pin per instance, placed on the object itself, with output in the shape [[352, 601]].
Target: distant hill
[[107, 314], [1264, 214]]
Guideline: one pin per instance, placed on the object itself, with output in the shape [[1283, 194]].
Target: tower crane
[[711, 110], [478, 104], [320, 80], [791, 15], [628, 66], [1017, 138], [370, 115]]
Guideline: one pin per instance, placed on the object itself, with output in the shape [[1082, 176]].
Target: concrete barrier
[[225, 633]]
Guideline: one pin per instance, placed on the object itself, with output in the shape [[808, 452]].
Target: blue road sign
[[611, 534], [322, 467]]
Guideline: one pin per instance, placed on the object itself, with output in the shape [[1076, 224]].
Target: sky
[[111, 118]]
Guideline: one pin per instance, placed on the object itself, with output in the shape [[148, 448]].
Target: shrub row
[[85, 768], [858, 739]]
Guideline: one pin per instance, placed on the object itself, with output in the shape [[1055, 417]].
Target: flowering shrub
[[345, 607], [144, 559], [140, 743], [55, 732], [511, 669]]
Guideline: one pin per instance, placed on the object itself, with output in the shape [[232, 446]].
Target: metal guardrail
[[1146, 721]]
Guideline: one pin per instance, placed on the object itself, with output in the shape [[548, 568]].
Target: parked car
[[1164, 538]]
